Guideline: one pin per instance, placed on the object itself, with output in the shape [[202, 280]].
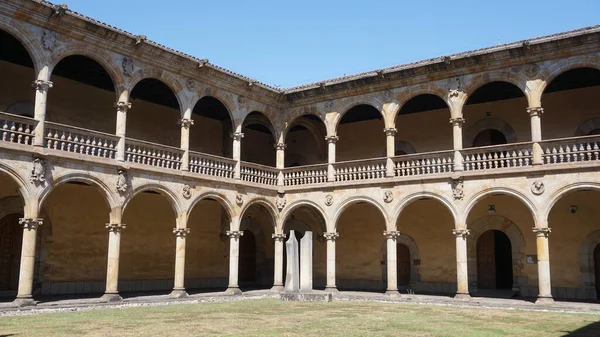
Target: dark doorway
[[11, 237], [247, 258], [489, 137], [597, 269], [494, 261], [403, 264]]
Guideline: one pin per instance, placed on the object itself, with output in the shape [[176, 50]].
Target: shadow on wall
[[588, 330]]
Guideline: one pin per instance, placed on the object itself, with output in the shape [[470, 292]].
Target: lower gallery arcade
[[354, 250]]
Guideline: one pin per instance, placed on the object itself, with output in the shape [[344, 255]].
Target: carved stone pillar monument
[[292, 275]]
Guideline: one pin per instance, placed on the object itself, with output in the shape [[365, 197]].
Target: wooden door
[[403, 258], [486, 261], [597, 269], [247, 258], [10, 251]]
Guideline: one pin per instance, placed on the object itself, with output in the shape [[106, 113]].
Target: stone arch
[[345, 107], [413, 248], [587, 265], [406, 147], [406, 95], [561, 192], [19, 180], [310, 125], [517, 243], [481, 79], [344, 205], [226, 103], [11, 205], [266, 122], [166, 79], [36, 54], [263, 202], [588, 126], [221, 199], [162, 190], [489, 123], [478, 196], [409, 199], [564, 65], [298, 204], [81, 177]]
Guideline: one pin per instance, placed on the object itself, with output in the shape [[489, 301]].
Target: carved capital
[[30, 223], [331, 236], [332, 139], [186, 122], [278, 237], [393, 235], [455, 93], [122, 106], [535, 111], [457, 121], [234, 234], [463, 233], [181, 232], [542, 232], [40, 85], [115, 227], [390, 132], [237, 136], [280, 146]]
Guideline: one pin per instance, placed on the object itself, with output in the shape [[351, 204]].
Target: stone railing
[[211, 165], [259, 174], [360, 169], [305, 175], [571, 150], [77, 140], [146, 153], [497, 157], [419, 164], [16, 129]]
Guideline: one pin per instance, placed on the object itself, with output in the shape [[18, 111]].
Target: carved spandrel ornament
[[328, 106], [49, 39], [122, 184], [186, 191], [242, 100], [190, 84], [458, 188], [127, 66], [387, 95], [38, 171], [329, 200], [388, 196], [280, 202], [531, 70], [538, 187], [239, 199]]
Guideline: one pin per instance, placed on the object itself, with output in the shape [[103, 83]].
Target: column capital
[[542, 231], [535, 111], [31, 223], [234, 234], [331, 236], [391, 234], [115, 227], [181, 232], [461, 233], [390, 132], [122, 106], [332, 139], [459, 121], [280, 146], [186, 122], [237, 136], [41, 85], [278, 237]]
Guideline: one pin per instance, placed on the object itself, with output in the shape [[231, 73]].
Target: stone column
[[390, 138], [331, 140], [42, 85], [543, 261], [392, 263], [280, 164], [112, 266], [278, 277], [234, 259], [462, 275], [121, 129], [331, 237], [535, 114], [457, 137], [179, 284], [185, 123], [237, 153], [24, 294]]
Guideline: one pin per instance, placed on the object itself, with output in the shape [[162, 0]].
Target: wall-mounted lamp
[[492, 208], [573, 209]]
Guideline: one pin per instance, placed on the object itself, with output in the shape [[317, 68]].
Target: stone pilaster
[[457, 139], [390, 141], [41, 87], [186, 124], [331, 141], [543, 260], [331, 237], [462, 274], [278, 277], [535, 115], [24, 293], [237, 154], [280, 161], [234, 254], [112, 266], [122, 108], [392, 262]]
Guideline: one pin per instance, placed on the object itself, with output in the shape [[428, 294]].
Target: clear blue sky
[[287, 43]]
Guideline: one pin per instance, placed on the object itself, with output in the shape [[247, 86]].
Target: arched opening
[[207, 247], [597, 269], [568, 101], [494, 261], [212, 128], [259, 139], [403, 264], [358, 265], [491, 110], [256, 258], [364, 120], [154, 113], [147, 259], [305, 140], [93, 105], [11, 236], [413, 114], [17, 73]]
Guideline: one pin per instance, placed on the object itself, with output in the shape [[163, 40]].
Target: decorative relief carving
[[278, 237], [122, 184], [457, 121], [30, 223], [190, 84], [391, 234], [454, 84], [280, 202], [38, 171], [127, 66], [328, 106], [538, 187], [186, 122], [531, 70], [332, 139], [388, 196], [122, 106], [237, 136], [535, 111], [461, 233], [40, 85], [239, 199], [242, 100], [542, 232], [187, 191], [115, 227], [234, 234], [390, 132], [49, 39], [280, 146], [387, 95], [181, 232], [329, 200], [331, 236], [458, 188]]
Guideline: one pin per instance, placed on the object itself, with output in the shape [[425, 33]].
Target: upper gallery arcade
[[129, 166]]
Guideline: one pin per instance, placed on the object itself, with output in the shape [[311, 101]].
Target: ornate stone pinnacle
[[542, 232], [234, 234], [181, 232], [237, 136], [115, 227], [390, 131], [122, 106], [41, 85], [391, 234], [461, 233], [331, 236], [278, 236], [535, 111], [332, 139], [459, 121], [30, 223], [280, 146], [186, 122]]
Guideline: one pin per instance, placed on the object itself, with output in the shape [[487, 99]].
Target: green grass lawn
[[268, 317]]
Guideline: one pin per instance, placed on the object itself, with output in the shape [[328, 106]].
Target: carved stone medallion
[[187, 191], [388, 196], [122, 183], [280, 202], [329, 200], [239, 199], [458, 191], [538, 187], [127, 65], [190, 84], [38, 171], [49, 39]]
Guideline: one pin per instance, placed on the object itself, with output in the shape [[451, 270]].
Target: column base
[[111, 297], [462, 296], [178, 293], [541, 300], [24, 302], [393, 293], [277, 288], [332, 289], [233, 291]]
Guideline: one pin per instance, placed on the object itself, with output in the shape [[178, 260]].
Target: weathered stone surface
[[306, 297], [306, 262], [292, 276]]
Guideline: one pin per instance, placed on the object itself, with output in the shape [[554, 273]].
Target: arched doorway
[[247, 264], [11, 237], [597, 269], [494, 261], [489, 137], [403, 264]]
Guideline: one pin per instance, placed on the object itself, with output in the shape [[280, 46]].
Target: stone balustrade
[[211, 165], [16, 129], [146, 153], [305, 175], [259, 174], [77, 140], [419, 164], [360, 169], [571, 150], [497, 157]]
